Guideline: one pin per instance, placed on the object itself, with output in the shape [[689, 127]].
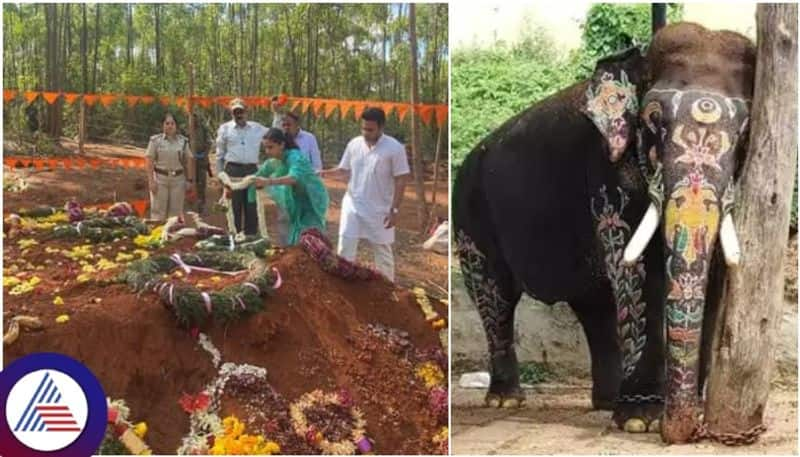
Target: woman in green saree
[[291, 182]]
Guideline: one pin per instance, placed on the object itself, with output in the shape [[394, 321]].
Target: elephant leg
[[640, 404], [596, 313], [492, 288]]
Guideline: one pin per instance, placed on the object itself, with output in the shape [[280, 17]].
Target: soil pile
[[317, 332]]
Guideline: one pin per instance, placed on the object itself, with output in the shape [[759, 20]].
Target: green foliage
[[534, 373], [490, 86], [347, 51]]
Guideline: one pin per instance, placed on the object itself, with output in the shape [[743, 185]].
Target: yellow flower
[[62, 319], [123, 257], [34, 281], [178, 274], [430, 374], [58, 300], [439, 324], [11, 281], [83, 277], [105, 264], [88, 269], [216, 279], [140, 429], [26, 243], [142, 253], [153, 240]]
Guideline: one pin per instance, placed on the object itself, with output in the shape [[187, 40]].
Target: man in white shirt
[[306, 141], [378, 170], [238, 147]]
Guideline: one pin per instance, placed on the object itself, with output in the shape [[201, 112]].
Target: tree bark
[[744, 345], [129, 46], [96, 43], [159, 66], [419, 171], [84, 40]]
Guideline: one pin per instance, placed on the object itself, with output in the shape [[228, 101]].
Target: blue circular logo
[[51, 405]]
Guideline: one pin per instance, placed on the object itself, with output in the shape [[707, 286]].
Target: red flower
[[195, 332], [199, 402]]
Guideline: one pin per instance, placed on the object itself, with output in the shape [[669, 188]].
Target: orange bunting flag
[[50, 97], [344, 108], [441, 114], [387, 108], [204, 102], [294, 102], [223, 101], [132, 100], [140, 206], [181, 102], [91, 99], [31, 96], [9, 94], [67, 163], [330, 107], [402, 110], [38, 163], [70, 97], [165, 101], [53, 163], [95, 163], [425, 113], [304, 105], [147, 99], [358, 108], [79, 163], [107, 99]]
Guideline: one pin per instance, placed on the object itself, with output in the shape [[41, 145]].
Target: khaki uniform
[[169, 158]]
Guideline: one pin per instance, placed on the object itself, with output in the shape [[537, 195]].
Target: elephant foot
[[513, 399], [680, 426], [638, 417]]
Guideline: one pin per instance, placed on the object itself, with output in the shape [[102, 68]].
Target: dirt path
[[558, 419]]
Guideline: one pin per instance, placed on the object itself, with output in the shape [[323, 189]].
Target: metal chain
[[640, 398], [729, 439]]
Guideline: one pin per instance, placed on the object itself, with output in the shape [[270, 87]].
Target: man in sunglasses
[[238, 147]]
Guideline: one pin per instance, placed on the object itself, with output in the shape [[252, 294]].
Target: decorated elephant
[[562, 202]]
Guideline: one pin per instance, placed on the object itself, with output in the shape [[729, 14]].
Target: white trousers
[[384, 259]]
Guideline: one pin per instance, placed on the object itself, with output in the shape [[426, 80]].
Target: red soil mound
[[313, 334]]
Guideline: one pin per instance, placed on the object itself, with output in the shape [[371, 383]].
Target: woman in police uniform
[[170, 171]]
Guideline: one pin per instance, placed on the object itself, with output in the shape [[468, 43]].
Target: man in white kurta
[[378, 170]]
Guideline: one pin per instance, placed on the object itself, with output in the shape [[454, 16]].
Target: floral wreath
[[192, 306], [319, 248], [358, 438]]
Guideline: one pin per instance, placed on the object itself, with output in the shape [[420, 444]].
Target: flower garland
[[241, 184], [357, 438], [320, 249], [191, 306], [121, 434], [238, 243], [441, 439], [205, 425], [438, 323], [99, 230]]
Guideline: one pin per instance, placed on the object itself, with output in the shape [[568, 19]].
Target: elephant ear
[[612, 99]]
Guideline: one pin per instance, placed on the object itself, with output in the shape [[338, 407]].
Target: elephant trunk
[[691, 225]]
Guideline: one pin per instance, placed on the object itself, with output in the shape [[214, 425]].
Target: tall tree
[[419, 167], [745, 343]]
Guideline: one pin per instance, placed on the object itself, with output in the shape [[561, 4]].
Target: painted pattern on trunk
[[626, 282], [698, 139]]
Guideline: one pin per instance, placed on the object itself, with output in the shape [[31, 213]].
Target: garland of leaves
[[101, 229], [230, 243], [318, 399], [320, 249], [191, 306]]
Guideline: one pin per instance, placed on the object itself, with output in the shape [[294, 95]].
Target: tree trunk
[[96, 43], [419, 170], [159, 67], [747, 326], [84, 40], [129, 46], [293, 55]]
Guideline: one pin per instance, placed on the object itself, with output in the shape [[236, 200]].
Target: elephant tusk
[[644, 232], [729, 241]]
